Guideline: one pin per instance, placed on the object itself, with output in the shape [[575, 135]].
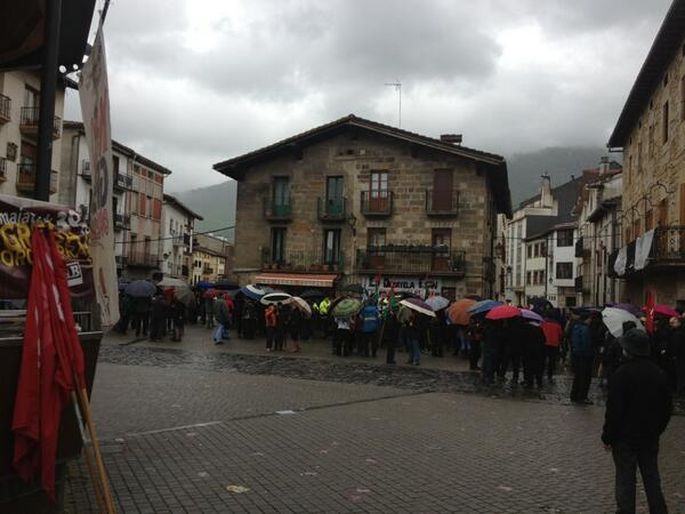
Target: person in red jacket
[[553, 335], [270, 320]]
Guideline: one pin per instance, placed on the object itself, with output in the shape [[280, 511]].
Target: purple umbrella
[[529, 315], [628, 307]]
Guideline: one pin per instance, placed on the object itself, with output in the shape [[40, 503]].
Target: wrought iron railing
[[280, 210], [142, 258], [307, 261], [376, 203], [26, 178], [411, 260], [332, 209], [5, 108], [442, 203], [668, 245], [30, 118], [123, 181]]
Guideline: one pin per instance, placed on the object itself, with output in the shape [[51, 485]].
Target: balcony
[[30, 118], [304, 261], [122, 221], [278, 211], [123, 181], [5, 109], [411, 260], [207, 270], [142, 259], [3, 169], [26, 178], [376, 203], [442, 203], [331, 209]]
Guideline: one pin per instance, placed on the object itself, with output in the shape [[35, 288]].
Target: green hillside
[[215, 203]]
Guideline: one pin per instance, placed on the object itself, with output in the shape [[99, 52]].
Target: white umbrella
[[418, 305], [172, 282], [276, 298], [302, 304], [437, 302], [614, 319]]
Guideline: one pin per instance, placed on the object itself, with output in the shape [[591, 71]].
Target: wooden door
[[442, 190]]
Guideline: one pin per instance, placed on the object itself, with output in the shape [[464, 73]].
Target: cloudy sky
[[193, 82]]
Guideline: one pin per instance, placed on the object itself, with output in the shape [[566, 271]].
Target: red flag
[[51, 353], [649, 310]]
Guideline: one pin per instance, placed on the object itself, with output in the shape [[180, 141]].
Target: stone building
[[19, 106], [138, 187], [651, 133], [178, 225], [355, 201], [211, 258]]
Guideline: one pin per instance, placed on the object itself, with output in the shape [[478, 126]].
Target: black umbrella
[[140, 289], [225, 285]]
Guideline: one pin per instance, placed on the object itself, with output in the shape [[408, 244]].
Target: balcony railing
[[668, 246], [26, 178], [123, 181], [122, 221], [5, 109], [143, 259], [3, 169], [376, 203], [442, 203], [304, 261], [85, 169], [332, 209], [411, 260], [30, 119], [278, 211]]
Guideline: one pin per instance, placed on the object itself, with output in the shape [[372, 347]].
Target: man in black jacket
[[638, 409]]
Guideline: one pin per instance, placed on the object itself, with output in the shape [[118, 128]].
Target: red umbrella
[[665, 310], [503, 312], [51, 362]]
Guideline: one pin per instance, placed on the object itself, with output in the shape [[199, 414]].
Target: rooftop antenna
[[398, 87]]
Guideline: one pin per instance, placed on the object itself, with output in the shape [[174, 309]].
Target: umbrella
[[353, 288], [614, 319], [457, 312], [276, 298], [346, 308], [530, 315], [474, 297], [539, 304], [482, 306], [253, 292], [418, 305], [140, 289], [404, 314], [184, 295], [503, 312], [171, 282], [437, 302], [629, 307], [312, 293], [203, 284], [665, 310], [302, 304]]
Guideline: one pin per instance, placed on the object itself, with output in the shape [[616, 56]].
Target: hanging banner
[[94, 96], [643, 246], [18, 217]]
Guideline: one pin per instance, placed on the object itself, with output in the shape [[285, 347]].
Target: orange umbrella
[[457, 312]]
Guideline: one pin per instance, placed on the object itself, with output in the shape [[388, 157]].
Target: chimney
[[546, 199], [604, 165], [454, 139]]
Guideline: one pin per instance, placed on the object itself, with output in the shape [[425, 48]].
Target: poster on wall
[[18, 218], [94, 96], [423, 287]]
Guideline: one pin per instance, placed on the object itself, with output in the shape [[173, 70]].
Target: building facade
[[356, 201], [178, 223], [138, 188], [19, 106], [651, 133]]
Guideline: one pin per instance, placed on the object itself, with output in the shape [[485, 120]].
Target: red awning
[[296, 279]]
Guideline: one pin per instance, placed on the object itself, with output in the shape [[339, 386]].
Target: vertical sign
[[94, 95]]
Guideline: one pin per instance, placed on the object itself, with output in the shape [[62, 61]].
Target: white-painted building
[[19, 105], [178, 223]]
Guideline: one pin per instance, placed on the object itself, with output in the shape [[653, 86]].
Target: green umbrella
[[347, 308]]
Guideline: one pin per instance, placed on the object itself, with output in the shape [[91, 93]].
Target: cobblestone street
[[202, 429]]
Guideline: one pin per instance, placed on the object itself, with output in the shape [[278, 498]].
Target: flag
[[52, 361], [649, 311]]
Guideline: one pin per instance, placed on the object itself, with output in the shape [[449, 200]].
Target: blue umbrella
[[204, 285], [254, 292], [483, 306]]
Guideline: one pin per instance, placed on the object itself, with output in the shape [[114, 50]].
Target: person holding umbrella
[[222, 318], [270, 321], [390, 334], [582, 358]]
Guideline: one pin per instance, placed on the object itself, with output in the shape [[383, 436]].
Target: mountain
[[560, 163], [216, 204]]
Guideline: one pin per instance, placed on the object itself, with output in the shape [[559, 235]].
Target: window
[[528, 278], [142, 209], [649, 216], [639, 157], [278, 245], [529, 251], [682, 98], [31, 97], [378, 186], [334, 195], [156, 209], [115, 163], [280, 194], [331, 246], [148, 213], [543, 249], [564, 270], [376, 240], [565, 238], [664, 120]]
